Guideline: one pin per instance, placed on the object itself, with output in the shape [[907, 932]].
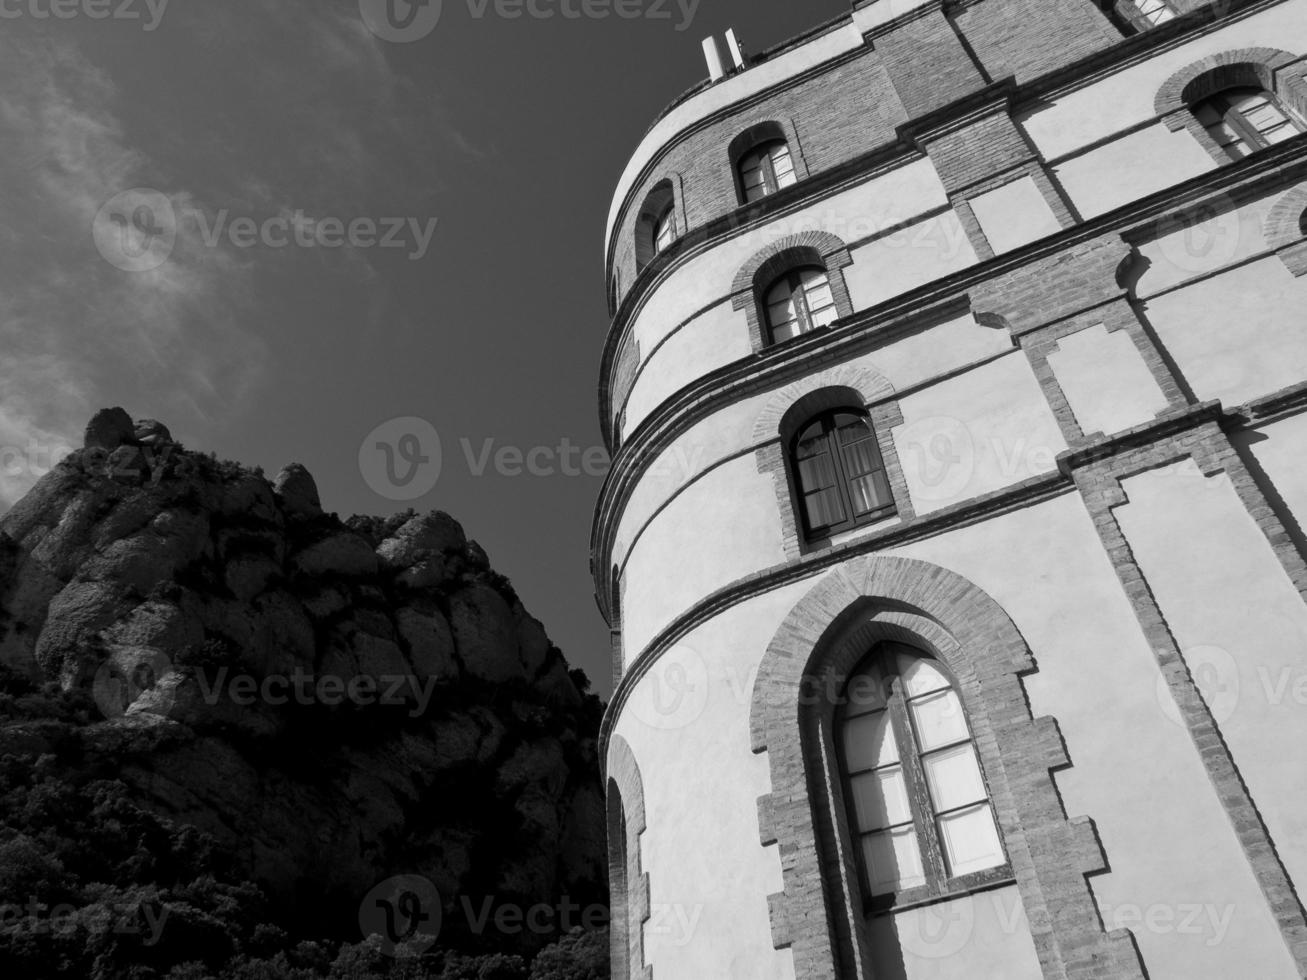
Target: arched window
[[1245, 120], [799, 301], [918, 806], [656, 228], [766, 169], [839, 473]]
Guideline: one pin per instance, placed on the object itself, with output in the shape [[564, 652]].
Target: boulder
[[108, 429], [149, 432], [422, 537], [297, 491], [342, 553]]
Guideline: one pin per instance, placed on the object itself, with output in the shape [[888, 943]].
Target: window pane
[[869, 742], [893, 860], [823, 509], [816, 472], [783, 166], [954, 777], [939, 721], [870, 493], [920, 675], [880, 799], [864, 694], [861, 453], [1156, 11], [970, 840]]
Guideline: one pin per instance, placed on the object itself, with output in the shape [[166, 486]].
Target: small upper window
[[1245, 120], [656, 227], [919, 809], [1156, 11], [840, 474], [766, 169], [800, 301]]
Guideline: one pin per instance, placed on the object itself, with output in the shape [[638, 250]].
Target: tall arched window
[[766, 169], [1244, 120], [799, 301], [918, 806], [839, 473]]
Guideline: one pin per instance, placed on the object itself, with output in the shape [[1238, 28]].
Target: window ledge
[[972, 884]]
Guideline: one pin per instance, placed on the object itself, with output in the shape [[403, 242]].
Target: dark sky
[[262, 339]]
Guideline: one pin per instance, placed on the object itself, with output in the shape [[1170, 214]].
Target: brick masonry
[[628, 882], [819, 643]]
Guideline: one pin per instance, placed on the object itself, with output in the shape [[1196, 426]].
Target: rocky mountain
[[332, 702]]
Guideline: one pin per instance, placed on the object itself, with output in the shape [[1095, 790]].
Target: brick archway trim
[[1050, 854], [628, 881], [1178, 91]]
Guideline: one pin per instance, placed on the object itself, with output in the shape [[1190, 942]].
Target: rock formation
[[336, 702]]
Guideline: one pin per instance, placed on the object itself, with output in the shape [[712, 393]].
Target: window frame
[[939, 884], [793, 276], [1247, 133], [830, 431], [762, 153], [664, 220], [1164, 6]]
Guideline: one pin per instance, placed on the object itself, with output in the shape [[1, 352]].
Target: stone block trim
[[1055, 287], [1100, 485], [1119, 315], [1284, 229], [870, 598], [806, 248], [628, 882]]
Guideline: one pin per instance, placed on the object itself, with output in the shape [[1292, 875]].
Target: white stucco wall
[[1014, 215], [1240, 623], [1237, 335], [1105, 380]]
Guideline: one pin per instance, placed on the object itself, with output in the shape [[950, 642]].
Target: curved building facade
[[957, 392]]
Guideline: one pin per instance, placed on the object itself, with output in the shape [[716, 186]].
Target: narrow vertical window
[[918, 805], [765, 170], [665, 230], [1245, 120], [840, 474]]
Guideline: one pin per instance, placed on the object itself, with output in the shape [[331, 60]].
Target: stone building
[[953, 550]]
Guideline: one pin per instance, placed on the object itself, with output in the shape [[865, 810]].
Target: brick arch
[[1286, 229], [758, 133], [1207, 76], [863, 383], [628, 881], [885, 597], [806, 248]]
